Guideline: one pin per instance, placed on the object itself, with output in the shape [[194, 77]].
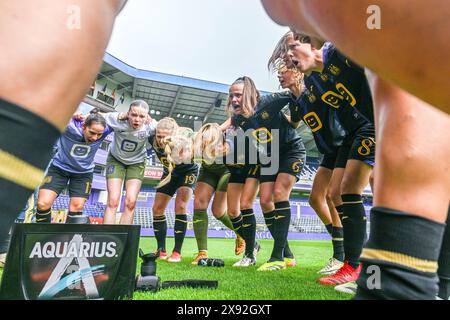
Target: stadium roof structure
[[182, 98]]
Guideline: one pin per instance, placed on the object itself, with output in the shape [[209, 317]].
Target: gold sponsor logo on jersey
[[324, 77], [312, 121], [332, 98], [262, 135], [346, 94], [335, 99]]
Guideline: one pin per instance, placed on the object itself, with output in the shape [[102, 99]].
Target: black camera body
[[80, 219], [148, 283], [148, 280]]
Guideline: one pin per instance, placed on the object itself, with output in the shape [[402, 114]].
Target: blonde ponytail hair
[[176, 143], [208, 143]]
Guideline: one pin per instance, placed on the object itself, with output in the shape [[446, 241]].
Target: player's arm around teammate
[[275, 182], [173, 146], [126, 160], [291, 78], [243, 183], [342, 85], [72, 165], [212, 180]]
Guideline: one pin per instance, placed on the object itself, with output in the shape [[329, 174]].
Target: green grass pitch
[[295, 283]]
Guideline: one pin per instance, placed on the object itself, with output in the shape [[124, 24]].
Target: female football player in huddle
[[271, 133], [320, 198], [212, 180], [242, 184], [401, 211], [342, 86], [244, 151], [173, 147], [72, 165], [126, 159]]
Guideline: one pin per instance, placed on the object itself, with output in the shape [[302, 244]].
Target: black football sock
[[179, 231], [74, 217], [355, 227], [26, 142], [249, 230], [444, 264], [281, 223], [338, 243], [43, 216], [160, 229], [340, 210], [269, 219], [400, 259], [237, 225]]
